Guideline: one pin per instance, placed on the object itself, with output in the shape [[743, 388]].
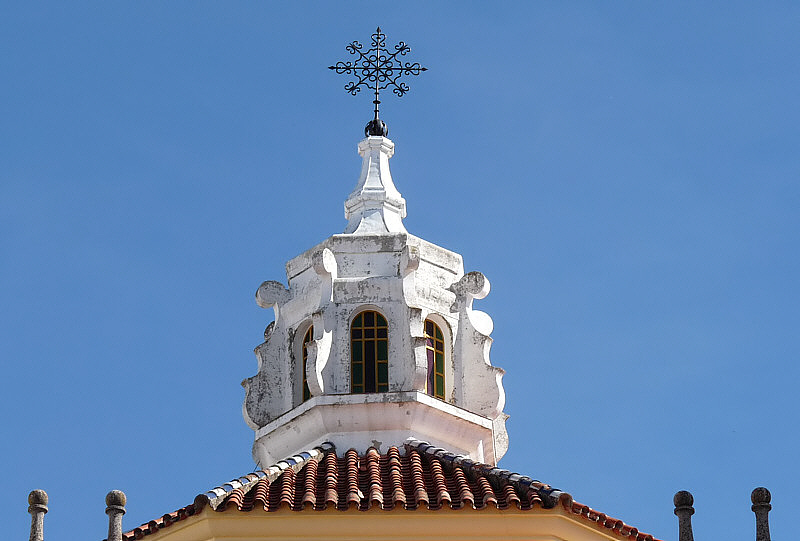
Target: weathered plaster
[[406, 279], [359, 421], [375, 206]]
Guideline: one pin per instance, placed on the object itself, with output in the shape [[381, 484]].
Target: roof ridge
[[217, 495]]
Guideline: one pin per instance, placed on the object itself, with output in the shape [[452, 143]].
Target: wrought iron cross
[[378, 69]]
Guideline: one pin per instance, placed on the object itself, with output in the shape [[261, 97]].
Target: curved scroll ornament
[[378, 69], [266, 393], [480, 389], [319, 349], [407, 267], [273, 295]]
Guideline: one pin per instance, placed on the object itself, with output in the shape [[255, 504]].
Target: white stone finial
[[375, 206]]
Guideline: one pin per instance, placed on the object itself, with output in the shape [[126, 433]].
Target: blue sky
[[625, 174]]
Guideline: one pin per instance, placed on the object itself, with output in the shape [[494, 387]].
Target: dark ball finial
[[683, 498], [376, 127], [116, 498], [760, 495], [37, 497]]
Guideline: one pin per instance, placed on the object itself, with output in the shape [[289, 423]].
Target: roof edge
[[549, 495], [217, 495]]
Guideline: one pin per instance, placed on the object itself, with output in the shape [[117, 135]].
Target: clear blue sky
[[625, 173]]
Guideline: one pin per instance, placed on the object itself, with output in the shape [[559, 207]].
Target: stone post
[[761, 507], [37, 507], [115, 508], [683, 501]]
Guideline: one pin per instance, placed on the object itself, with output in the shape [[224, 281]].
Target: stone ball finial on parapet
[[272, 294], [761, 507], [115, 508], [683, 501], [37, 507]]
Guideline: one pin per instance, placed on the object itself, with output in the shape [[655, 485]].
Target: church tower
[[375, 339]]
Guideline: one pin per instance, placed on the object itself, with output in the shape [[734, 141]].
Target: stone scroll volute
[[479, 384]]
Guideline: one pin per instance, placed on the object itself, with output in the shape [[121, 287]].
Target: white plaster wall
[[380, 420], [375, 265]]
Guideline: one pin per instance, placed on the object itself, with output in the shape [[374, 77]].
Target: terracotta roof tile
[[416, 475]]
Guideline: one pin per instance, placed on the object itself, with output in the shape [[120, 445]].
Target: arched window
[[434, 347], [306, 339], [369, 353]]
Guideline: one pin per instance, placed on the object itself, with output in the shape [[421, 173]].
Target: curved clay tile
[[510, 498], [235, 499], [465, 495], [331, 472], [565, 499], [298, 489], [166, 519], [374, 485], [439, 486], [614, 524], [395, 477], [487, 495], [353, 498], [418, 478], [287, 488], [261, 494], [310, 489], [579, 509]]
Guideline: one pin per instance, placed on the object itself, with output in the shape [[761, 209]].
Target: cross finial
[[378, 69]]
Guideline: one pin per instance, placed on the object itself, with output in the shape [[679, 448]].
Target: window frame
[[369, 345], [436, 354], [308, 337]]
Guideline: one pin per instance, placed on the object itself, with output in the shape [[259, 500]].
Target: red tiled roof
[[421, 476], [410, 481]]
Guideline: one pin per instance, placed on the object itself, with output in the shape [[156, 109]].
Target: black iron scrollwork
[[377, 69]]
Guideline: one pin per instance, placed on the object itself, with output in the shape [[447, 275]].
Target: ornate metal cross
[[378, 69]]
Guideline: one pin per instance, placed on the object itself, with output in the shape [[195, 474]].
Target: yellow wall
[[377, 524]]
